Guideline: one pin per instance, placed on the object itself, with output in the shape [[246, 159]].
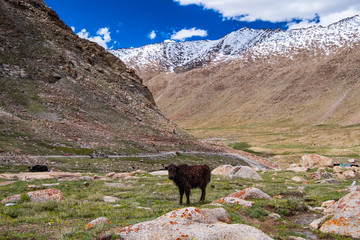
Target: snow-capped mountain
[[242, 44]]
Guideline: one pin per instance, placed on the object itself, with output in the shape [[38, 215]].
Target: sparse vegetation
[[147, 197], [239, 145]]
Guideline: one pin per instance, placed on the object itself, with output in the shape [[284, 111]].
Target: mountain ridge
[[308, 76], [243, 43], [63, 94]]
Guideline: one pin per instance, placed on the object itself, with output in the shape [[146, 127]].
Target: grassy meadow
[[285, 142], [147, 197]]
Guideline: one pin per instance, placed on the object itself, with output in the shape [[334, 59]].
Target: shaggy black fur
[[39, 168], [187, 177]]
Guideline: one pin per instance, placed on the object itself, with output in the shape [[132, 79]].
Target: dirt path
[[258, 162]]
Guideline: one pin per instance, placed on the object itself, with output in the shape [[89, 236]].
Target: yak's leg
[[203, 192], [181, 190], [187, 192]]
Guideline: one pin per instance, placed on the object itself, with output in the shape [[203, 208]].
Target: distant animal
[[39, 168], [187, 177]]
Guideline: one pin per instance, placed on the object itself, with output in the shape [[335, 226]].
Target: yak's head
[[172, 171]]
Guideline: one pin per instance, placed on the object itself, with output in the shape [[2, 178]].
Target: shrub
[[240, 145]]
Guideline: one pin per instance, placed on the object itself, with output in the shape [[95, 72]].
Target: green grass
[[67, 219], [240, 145]]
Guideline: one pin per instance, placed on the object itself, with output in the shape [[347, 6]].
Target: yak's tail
[[208, 174]]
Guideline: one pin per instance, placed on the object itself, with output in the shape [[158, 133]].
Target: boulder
[[346, 219], [127, 175], [234, 200], [6, 183], [297, 179], [298, 169], [319, 174], [330, 180], [50, 184], [222, 170], [314, 160], [98, 221], [122, 175], [351, 189], [115, 185], [244, 172], [38, 196], [159, 173], [295, 238], [250, 193], [25, 176], [12, 199], [86, 178], [349, 174], [316, 224], [192, 223], [46, 195], [110, 199], [338, 169], [327, 204], [110, 174]]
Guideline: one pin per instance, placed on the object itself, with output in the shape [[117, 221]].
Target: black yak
[[187, 177], [39, 168]]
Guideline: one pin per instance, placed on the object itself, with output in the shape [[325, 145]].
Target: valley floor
[[285, 143], [144, 197]]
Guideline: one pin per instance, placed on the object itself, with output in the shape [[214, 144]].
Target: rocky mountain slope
[[242, 44], [63, 94], [304, 76]]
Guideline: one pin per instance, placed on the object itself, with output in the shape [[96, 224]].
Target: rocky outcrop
[[223, 170], [231, 172], [235, 200], [250, 193], [84, 95], [321, 173], [98, 221], [346, 216], [244, 172], [242, 196], [110, 199], [297, 169], [26, 176], [38, 196], [192, 223], [314, 160]]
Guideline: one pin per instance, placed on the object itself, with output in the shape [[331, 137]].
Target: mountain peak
[[243, 43]]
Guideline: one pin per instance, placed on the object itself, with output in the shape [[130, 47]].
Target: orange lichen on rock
[[250, 193], [234, 200], [346, 219], [38, 196], [100, 220], [192, 223], [14, 198], [46, 195]]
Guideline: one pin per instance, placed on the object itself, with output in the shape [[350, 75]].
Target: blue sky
[[123, 23]]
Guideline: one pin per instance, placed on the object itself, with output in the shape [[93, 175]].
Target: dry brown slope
[[60, 93], [311, 90]]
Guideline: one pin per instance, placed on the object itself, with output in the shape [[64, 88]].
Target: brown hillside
[[311, 90], [60, 93]]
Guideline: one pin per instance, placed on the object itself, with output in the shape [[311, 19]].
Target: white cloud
[[103, 36], [73, 28], [83, 33], [330, 11], [169, 41], [188, 33], [152, 35]]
